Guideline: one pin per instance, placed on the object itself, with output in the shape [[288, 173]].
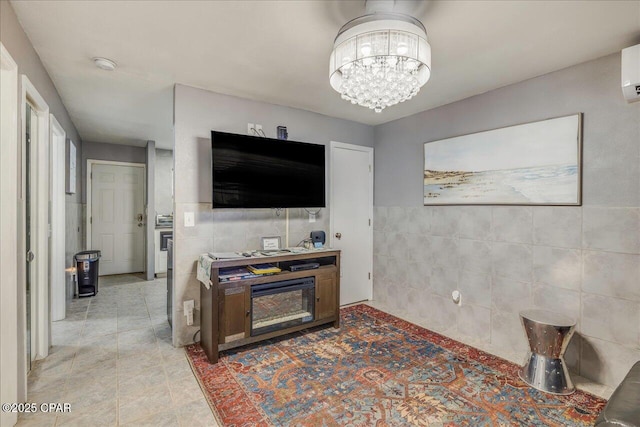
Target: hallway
[[113, 361]]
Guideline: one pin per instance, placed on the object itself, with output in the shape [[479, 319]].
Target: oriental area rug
[[377, 370]]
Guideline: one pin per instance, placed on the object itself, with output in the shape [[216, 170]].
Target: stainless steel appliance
[[170, 282], [165, 236], [164, 221]]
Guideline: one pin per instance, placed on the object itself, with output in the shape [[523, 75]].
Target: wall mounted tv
[[253, 172]]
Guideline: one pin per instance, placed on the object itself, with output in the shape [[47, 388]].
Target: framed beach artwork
[[535, 163]]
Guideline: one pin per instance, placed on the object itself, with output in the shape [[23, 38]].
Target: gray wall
[[582, 261], [196, 113], [111, 152], [164, 182], [75, 214], [19, 47], [17, 43]]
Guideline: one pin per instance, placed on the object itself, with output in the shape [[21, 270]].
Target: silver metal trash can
[[87, 263]]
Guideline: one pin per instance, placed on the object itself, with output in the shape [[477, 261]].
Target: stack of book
[[234, 273], [263, 269]]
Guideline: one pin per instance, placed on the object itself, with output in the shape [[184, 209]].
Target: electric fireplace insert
[[280, 305]]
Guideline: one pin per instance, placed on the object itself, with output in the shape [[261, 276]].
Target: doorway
[[31, 130], [116, 217], [34, 227], [58, 224], [10, 239], [351, 212]]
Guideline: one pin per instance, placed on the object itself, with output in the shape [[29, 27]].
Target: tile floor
[[113, 361]]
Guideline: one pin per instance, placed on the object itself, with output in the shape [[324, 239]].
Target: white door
[[117, 217], [35, 216], [32, 218], [351, 205], [9, 238], [57, 243]]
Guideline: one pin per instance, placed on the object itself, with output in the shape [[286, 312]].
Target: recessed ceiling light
[[105, 64]]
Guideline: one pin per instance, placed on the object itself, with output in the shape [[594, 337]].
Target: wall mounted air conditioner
[[631, 73]]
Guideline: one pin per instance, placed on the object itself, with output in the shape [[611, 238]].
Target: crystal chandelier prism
[[380, 59]]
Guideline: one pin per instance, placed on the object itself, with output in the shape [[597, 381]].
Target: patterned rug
[[377, 370]]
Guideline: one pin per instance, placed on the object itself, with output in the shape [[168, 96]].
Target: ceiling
[[277, 52]]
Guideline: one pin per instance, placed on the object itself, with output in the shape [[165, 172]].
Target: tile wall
[[226, 230], [583, 262]]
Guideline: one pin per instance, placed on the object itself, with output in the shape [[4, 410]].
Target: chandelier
[[380, 59]]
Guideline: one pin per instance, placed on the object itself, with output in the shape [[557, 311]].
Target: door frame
[[58, 138], [10, 348], [41, 230], [90, 163], [333, 146]]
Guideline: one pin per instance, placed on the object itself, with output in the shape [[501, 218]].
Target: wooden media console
[[244, 311]]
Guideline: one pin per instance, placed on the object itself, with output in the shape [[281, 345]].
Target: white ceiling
[[277, 52]]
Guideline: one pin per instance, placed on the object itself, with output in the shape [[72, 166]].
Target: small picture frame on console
[[271, 243]]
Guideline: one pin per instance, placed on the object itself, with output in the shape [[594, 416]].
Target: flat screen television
[[253, 172]]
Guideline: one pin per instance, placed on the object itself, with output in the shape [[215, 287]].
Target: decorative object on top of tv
[[536, 163], [381, 58], [282, 132]]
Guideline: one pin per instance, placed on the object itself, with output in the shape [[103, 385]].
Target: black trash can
[[87, 272]]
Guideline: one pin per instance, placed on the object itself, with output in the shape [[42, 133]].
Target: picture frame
[[535, 163], [71, 169], [271, 243]]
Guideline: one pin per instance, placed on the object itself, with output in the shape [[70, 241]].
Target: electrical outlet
[[259, 129], [189, 219], [188, 311], [456, 297], [312, 217], [250, 128]]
